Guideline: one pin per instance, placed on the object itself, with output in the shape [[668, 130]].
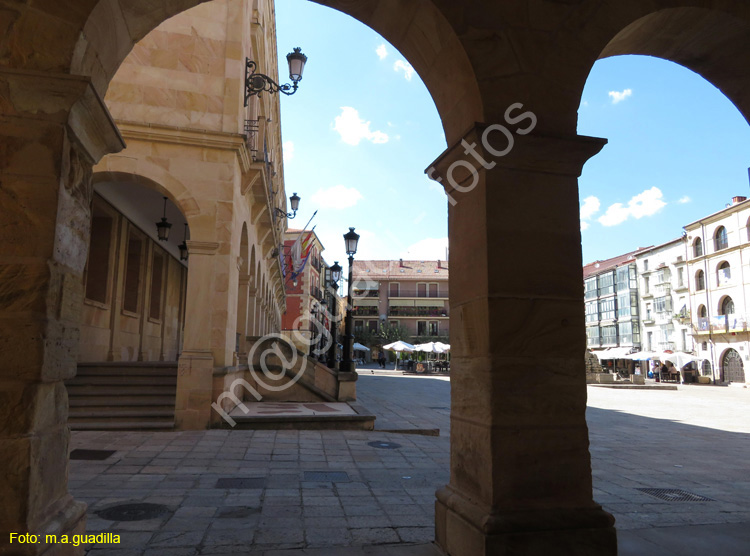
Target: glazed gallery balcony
[[436, 312]]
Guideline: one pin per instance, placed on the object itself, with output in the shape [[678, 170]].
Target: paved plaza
[[380, 499]]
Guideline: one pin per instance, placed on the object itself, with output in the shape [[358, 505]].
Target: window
[[421, 290], [372, 326], [704, 346], [609, 335], [433, 290], [607, 284], [645, 264], [623, 305], [421, 328], [645, 285], [727, 306], [649, 340], [359, 326], [723, 274], [663, 304], [97, 269], [590, 288], [592, 311], [623, 282], [698, 248], [592, 336], [607, 309], [433, 328], [684, 340], [680, 277], [720, 239], [157, 273], [648, 311], [700, 281], [393, 289], [133, 262], [626, 332], [702, 312]]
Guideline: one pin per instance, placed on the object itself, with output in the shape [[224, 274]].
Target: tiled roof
[[597, 267], [395, 270]]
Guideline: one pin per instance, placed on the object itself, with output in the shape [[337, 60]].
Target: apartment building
[[412, 294], [718, 250], [664, 297], [612, 305]]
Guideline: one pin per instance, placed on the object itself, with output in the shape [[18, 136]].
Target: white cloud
[[684, 200], [401, 65], [585, 103], [619, 96], [353, 129], [590, 207], [337, 197], [288, 149], [381, 51], [430, 249], [647, 203]]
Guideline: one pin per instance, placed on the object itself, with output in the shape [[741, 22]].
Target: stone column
[[520, 479], [242, 317], [252, 326], [196, 364], [53, 128]]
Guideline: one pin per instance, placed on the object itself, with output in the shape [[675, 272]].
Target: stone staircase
[[123, 396]]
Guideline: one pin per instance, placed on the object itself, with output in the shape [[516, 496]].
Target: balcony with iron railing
[[440, 293], [433, 312], [361, 294], [365, 311]]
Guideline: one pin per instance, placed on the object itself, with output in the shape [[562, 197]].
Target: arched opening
[[726, 306], [720, 239], [732, 367], [697, 247], [700, 280], [723, 274]]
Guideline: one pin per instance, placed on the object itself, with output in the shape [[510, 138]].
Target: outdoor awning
[[365, 302], [430, 303], [612, 353], [401, 303]]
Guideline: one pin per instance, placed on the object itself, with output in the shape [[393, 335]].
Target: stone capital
[[202, 247], [485, 147], [244, 280], [64, 99]]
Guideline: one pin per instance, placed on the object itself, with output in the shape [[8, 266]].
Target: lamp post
[[256, 83], [351, 238], [335, 277]]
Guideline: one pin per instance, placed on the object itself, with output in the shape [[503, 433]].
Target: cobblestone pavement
[[639, 439]]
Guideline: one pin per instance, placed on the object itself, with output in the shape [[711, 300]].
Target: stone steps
[[123, 396]]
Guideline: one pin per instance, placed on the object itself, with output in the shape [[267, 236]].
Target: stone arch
[[725, 306], [698, 247], [116, 169]]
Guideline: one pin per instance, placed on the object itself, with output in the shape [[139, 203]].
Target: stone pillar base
[[194, 390], [347, 387], [463, 528]]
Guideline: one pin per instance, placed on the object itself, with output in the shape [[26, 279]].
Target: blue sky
[[362, 128]]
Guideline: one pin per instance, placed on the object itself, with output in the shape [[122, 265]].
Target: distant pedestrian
[[381, 359]]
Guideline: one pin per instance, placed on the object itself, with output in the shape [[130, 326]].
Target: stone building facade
[[410, 294], [718, 251]]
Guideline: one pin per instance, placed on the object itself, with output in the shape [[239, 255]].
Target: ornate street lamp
[[335, 278], [255, 83], [183, 246], [294, 203], [351, 238], [162, 228]]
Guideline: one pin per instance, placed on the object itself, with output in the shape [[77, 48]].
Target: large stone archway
[[520, 466]]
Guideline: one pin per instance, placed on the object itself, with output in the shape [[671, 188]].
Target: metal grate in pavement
[[327, 476], [675, 495], [245, 483], [384, 445], [140, 511], [91, 455]]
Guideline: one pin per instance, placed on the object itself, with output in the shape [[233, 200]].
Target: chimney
[[401, 262], [738, 200]]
